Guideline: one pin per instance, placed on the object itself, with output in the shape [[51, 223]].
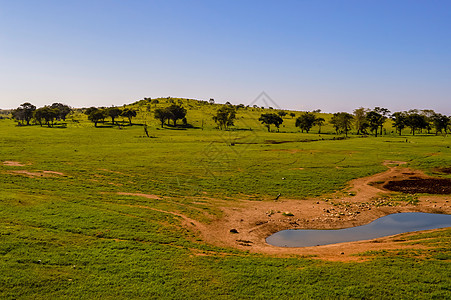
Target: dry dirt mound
[[421, 185]]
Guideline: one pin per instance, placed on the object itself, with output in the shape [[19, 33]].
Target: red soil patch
[[150, 196], [37, 173], [13, 163]]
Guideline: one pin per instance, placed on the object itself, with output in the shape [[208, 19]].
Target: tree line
[[364, 121], [44, 115]]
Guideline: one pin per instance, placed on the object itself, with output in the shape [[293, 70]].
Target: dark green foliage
[[416, 121], [342, 122], [97, 115], [360, 120], [176, 112], [375, 120], [162, 115], [399, 121], [282, 113], [271, 119], [46, 114], [129, 114], [306, 121], [319, 122], [62, 110], [24, 112], [113, 113], [225, 116], [440, 122]]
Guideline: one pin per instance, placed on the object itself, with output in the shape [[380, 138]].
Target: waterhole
[[385, 226]]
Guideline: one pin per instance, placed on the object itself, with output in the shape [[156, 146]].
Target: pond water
[[385, 226]]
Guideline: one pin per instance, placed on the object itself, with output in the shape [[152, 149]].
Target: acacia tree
[[129, 113], [46, 114], [320, 122], [176, 112], [342, 122], [385, 113], [399, 121], [440, 122], [282, 113], [305, 121], [225, 116], [271, 119], [162, 115], [62, 110], [113, 112], [416, 121], [96, 116], [24, 112], [375, 120], [360, 120]]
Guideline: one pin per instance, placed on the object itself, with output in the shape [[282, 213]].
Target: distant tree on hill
[[46, 114], [38, 115], [360, 120], [385, 114], [415, 121], [113, 113], [320, 122], [97, 115], [225, 117], [292, 115], [89, 110], [129, 114], [440, 122], [399, 121], [211, 101], [342, 122], [176, 112], [62, 110], [305, 121], [161, 114], [24, 112], [282, 113], [375, 120], [271, 119]]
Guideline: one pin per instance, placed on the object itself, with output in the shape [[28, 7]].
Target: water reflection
[[385, 226]]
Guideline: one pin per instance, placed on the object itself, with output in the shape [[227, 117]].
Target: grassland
[[79, 233]]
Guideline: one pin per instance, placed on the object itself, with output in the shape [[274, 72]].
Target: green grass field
[[71, 235]]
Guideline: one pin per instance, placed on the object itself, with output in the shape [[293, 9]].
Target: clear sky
[[329, 55]]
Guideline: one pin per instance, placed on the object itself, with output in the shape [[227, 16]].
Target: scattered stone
[[233, 230]]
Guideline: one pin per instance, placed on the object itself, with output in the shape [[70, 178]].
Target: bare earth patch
[[150, 196], [11, 163], [37, 173]]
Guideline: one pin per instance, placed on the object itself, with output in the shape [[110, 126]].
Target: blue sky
[[329, 55]]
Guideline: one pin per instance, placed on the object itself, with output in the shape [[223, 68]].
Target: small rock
[[233, 230]]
